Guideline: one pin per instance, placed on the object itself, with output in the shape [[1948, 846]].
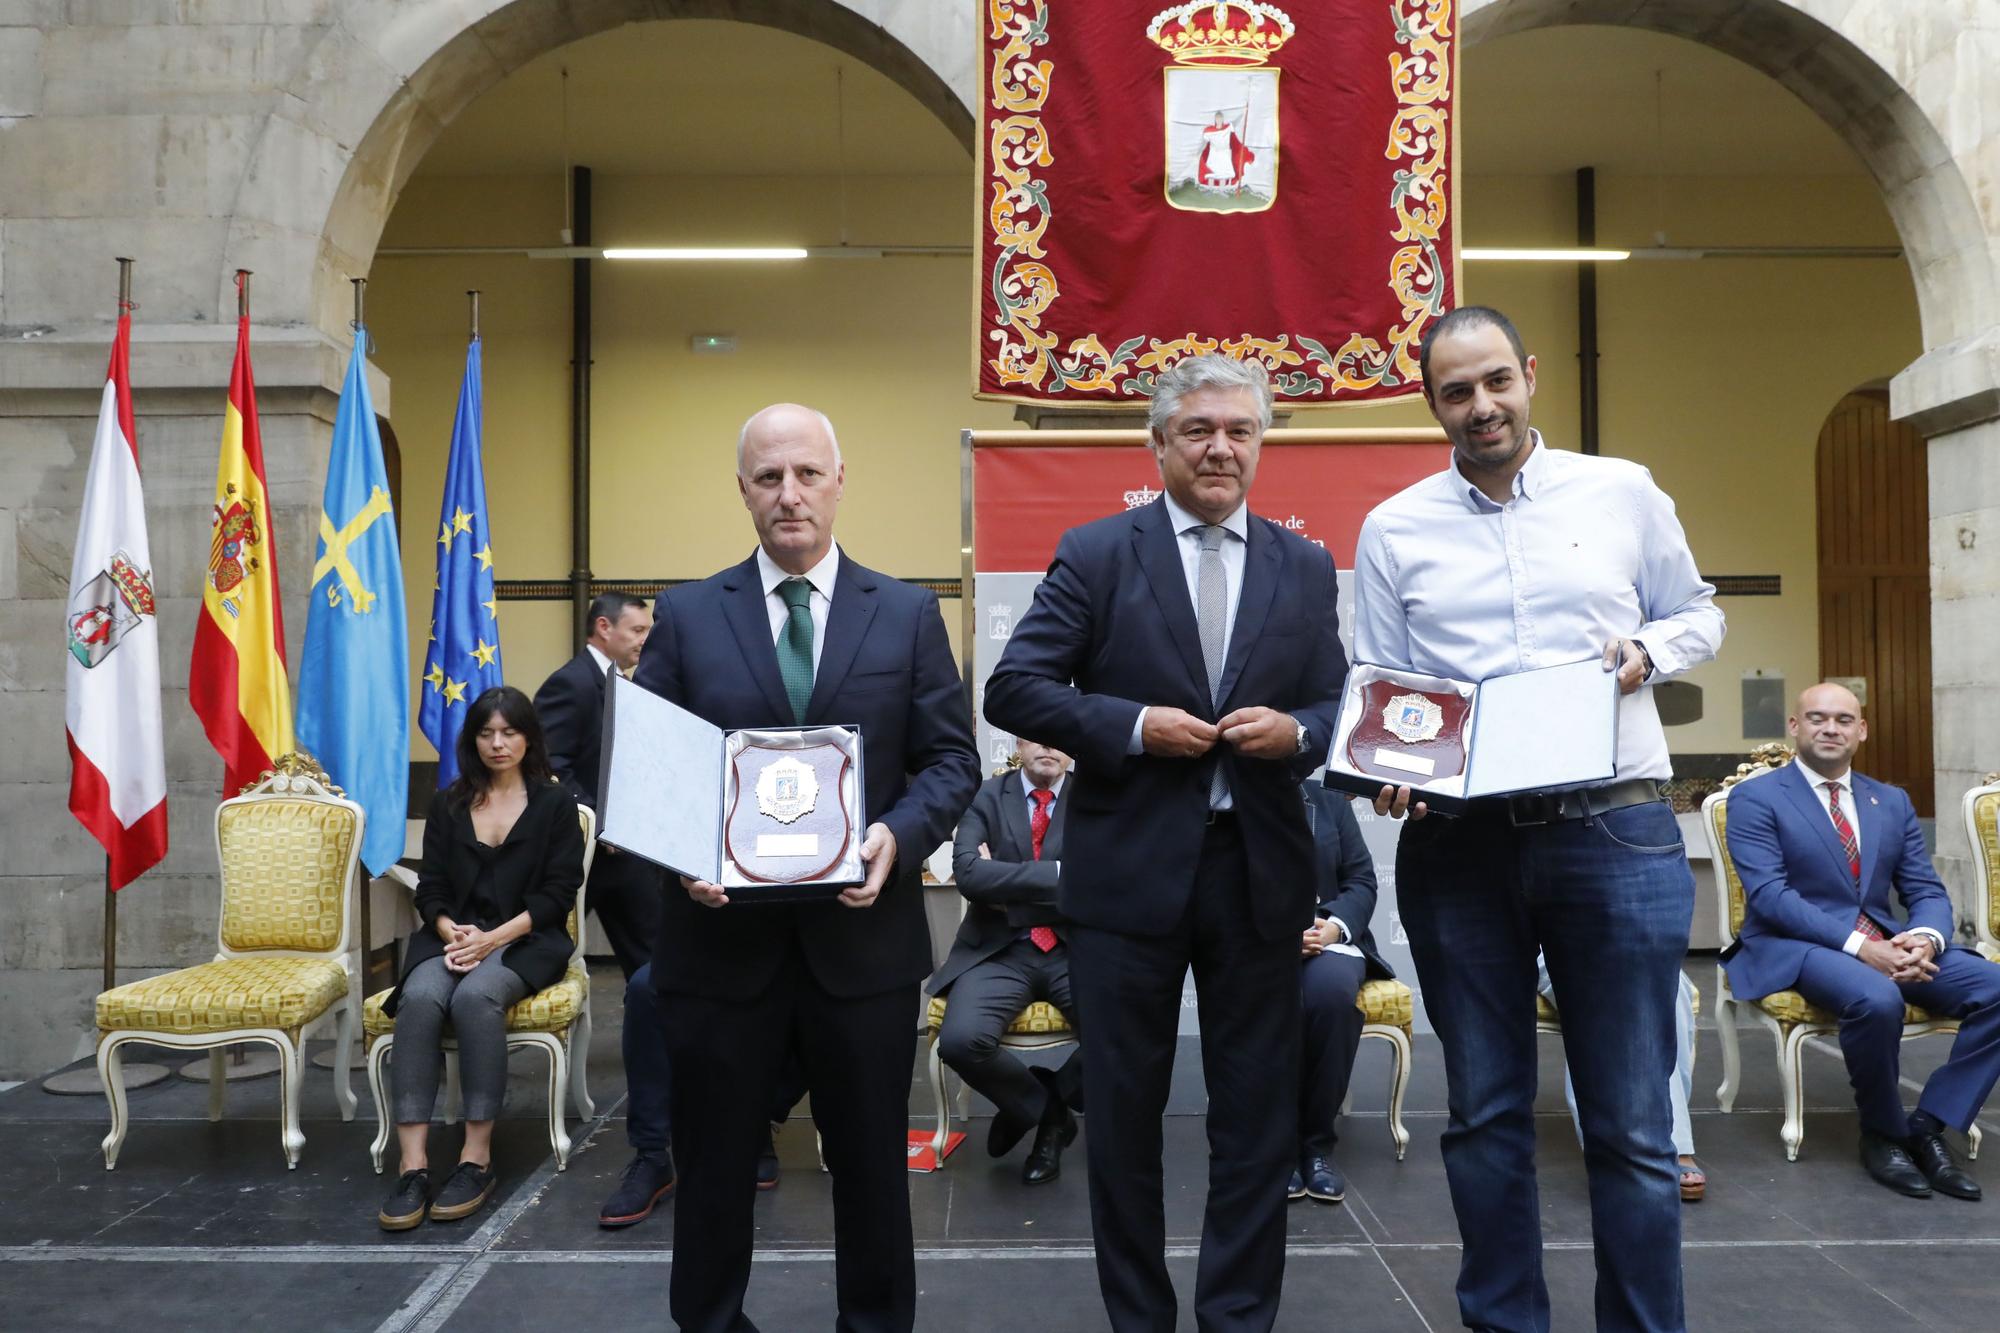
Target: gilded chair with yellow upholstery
[[556, 1020], [1791, 1019], [1387, 1006], [288, 848], [1982, 830]]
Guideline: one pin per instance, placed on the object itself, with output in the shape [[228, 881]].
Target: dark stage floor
[[202, 1227]]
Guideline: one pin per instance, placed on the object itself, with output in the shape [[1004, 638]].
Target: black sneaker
[[464, 1192], [646, 1181], [410, 1204]]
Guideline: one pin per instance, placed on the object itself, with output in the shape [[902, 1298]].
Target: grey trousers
[[475, 1003]]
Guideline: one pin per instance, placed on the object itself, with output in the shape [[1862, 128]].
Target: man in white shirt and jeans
[[1516, 557]]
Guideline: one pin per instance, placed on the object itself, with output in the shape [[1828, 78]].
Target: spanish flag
[[236, 681]]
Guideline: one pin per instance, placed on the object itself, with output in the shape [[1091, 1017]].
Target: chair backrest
[[1982, 830], [1715, 825], [588, 819], [289, 847]]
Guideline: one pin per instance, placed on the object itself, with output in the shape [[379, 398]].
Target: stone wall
[[203, 136]]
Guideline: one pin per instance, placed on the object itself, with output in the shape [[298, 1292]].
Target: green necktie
[[795, 645]]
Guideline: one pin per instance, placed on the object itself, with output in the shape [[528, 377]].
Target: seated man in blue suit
[[1010, 953], [1819, 847], [1337, 954]]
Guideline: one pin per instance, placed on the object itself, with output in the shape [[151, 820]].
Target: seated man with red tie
[[1819, 847], [1009, 953]]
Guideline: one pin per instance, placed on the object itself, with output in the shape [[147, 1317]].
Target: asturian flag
[[354, 703], [463, 659], [118, 767]]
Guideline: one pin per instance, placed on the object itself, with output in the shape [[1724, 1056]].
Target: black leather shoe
[[1051, 1137], [410, 1204], [1296, 1190], [1934, 1158], [1890, 1164], [767, 1161], [1323, 1180], [645, 1182]]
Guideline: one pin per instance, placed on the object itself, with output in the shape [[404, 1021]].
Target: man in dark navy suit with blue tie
[[1819, 849], [801, 634], [1186, 654]]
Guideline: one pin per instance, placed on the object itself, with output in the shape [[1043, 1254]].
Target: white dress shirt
[[597, 656], [1586, 550], [1235, 550], [821, 576], [1844, 785], [1055, 792]]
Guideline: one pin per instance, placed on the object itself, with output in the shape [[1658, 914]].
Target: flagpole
[[139, 1074], [475, 316]]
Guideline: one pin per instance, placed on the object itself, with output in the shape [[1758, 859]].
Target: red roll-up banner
[[1223, 174]]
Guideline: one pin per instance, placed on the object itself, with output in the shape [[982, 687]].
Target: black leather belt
[[1532, 809]]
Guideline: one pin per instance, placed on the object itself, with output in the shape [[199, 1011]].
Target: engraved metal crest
[[786, 789], [1412, 718]]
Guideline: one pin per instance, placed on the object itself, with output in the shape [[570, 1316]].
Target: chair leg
[[291, 1076], [1732, 1056], [343, 1059], [943, 1134], [1972, 1137], [579, 1052], [558, 1049], [111, 1069], [1399, 1083], [218, 1082], [376, 1054], [1791, 1077], [451, 1091]]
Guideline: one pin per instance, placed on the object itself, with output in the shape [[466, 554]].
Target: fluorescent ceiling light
[[708, 253], [1572, 255]]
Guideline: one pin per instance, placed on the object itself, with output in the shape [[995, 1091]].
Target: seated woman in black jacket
[[503, 858]]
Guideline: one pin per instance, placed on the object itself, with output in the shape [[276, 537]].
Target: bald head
[[1826, 727], [789, 473], [785, 418]]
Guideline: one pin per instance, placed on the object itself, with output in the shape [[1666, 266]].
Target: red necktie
[[1038, 828], [1852, 847]]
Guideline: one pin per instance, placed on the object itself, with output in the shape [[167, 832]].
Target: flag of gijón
[[118, 768]]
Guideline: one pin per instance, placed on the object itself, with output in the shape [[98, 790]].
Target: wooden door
[[1875, 584]]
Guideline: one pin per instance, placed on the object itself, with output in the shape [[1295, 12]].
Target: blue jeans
[[1608, 901]]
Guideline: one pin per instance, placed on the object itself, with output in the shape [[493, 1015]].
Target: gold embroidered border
[[1023, 285]]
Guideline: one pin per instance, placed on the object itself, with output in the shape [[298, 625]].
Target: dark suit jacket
[[1345, 872], [537, 870], [571, 707], [1797, 889], [1112, 629], [1011, 891], [885, 667]]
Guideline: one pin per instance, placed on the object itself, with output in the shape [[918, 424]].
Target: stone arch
[[385, 78], [1854, 65]]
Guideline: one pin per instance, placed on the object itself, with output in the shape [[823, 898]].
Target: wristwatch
[[1300, 748]]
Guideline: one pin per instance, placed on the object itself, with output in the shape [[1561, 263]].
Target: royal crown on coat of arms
[[1221, 32]]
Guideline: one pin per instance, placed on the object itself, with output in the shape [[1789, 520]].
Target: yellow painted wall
[[1715, 374]]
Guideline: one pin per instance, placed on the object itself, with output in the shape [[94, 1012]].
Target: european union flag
[[463, 659], [354, 703]]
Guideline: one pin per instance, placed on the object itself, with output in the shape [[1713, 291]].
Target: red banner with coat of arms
[[1218, 175]]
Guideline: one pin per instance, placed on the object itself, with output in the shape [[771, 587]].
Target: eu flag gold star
[[435, 677], [483, 653], [492, 608], [461, 521], [454, 691], [484, 555], [444, 536]]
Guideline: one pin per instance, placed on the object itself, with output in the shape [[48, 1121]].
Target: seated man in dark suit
[[1338, 953], [1819, 847], [1009, 954]]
